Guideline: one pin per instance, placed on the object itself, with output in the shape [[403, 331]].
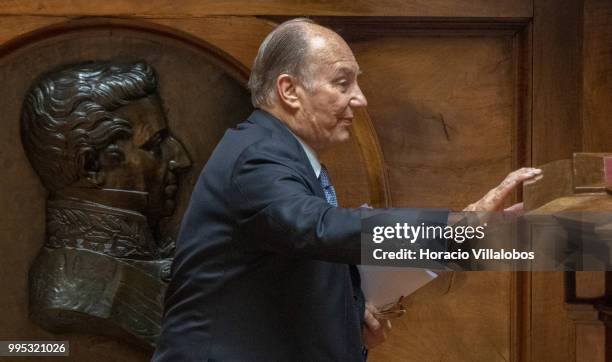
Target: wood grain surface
[[198, 8], [445, 109], [597, 80]]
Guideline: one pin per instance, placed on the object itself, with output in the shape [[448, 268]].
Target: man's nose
[[179, 159], [358, 99]]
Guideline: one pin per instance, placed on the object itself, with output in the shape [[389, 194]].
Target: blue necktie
[[328, 188], [330, 196]]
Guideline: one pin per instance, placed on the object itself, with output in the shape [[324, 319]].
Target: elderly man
[[262, 270]]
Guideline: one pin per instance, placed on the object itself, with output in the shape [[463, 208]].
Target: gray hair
[[283, 51], [67, 116]]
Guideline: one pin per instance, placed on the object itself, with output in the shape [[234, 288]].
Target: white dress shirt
[[310, 153]]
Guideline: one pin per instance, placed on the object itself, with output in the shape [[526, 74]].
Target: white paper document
[[382, 285]]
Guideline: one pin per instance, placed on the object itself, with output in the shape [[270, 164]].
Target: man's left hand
[[375, 331]]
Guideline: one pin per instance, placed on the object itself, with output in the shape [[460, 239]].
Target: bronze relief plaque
[[115, 125]]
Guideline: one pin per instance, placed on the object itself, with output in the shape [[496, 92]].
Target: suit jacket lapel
[[268, 121]]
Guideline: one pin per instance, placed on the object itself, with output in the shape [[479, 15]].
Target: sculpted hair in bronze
[[67, 116]]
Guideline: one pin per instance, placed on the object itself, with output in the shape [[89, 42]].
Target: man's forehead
[[338, 57], [329, 42], [339, 65], [346, 67]]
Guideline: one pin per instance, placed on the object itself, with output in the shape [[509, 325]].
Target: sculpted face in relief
[[97, 136]]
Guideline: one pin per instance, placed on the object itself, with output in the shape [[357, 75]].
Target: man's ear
[[286, 90], [89, 167]]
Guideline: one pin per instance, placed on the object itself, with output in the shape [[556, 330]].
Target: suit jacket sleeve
[[281, 211]]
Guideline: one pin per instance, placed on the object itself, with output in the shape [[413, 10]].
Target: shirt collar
[[310, 153]]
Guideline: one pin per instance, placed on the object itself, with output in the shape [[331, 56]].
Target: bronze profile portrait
[[96, 134]]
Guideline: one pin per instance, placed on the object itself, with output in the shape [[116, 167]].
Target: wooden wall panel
[[589, 333], [198, 8], [590, 342], [557, 82], [445, 107], [597, 80], [552, 335], [597, 137], [458, 317], [15, 26], [557, 133]]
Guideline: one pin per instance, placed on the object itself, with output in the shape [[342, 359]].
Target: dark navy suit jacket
[[261, 269]]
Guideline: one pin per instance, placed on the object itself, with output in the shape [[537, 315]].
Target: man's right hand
[[494, 200]]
